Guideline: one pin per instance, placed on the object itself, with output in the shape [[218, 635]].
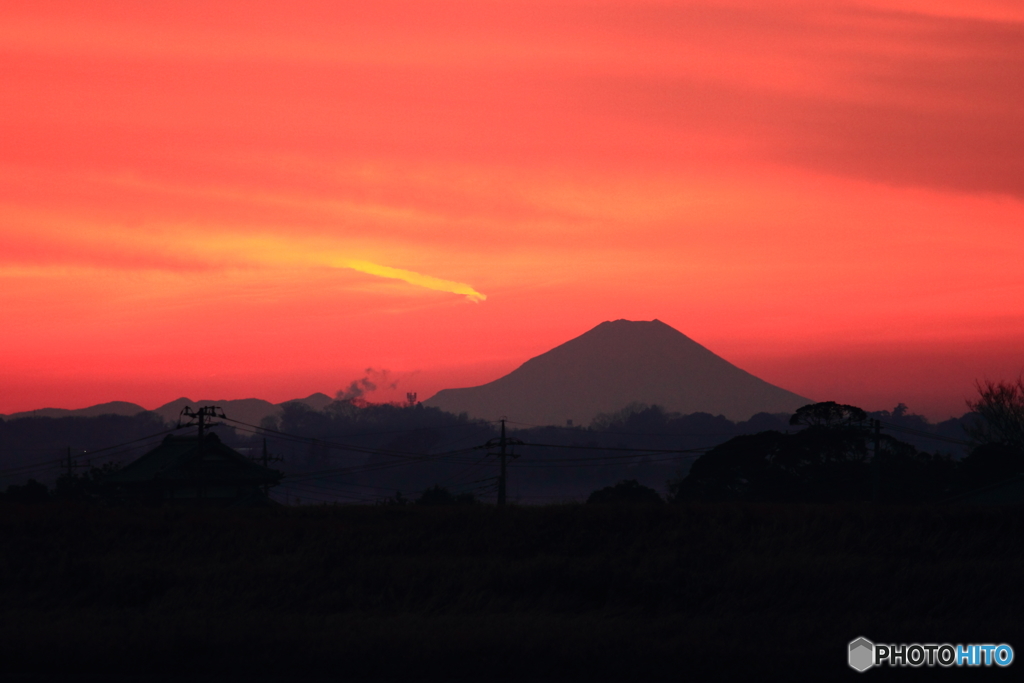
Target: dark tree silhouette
[[748, 467], [1001, 408], [397, 499], [829, 414], [989, 463], [30, 493], [829, 460], [629, 491], [89, 484], [438, 495]]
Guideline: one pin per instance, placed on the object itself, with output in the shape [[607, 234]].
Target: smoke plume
[[368, 383]]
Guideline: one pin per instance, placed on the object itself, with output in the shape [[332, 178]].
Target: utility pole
[[502, 477], [70, 465], [265, 460], [502, 443], [200, 417], [876, 466]]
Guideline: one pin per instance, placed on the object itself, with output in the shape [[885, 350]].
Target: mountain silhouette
[[613, 365], [111, 408], [248, 410]]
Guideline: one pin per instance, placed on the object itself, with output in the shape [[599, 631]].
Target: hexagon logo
[[862, 654]]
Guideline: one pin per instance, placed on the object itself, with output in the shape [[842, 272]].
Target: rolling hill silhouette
[[613, 365], [248, 410], [110, 408]]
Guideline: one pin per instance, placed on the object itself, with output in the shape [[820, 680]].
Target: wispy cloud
[[277, 252], [413, 278]]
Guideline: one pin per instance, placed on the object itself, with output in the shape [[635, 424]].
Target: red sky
[[234, 199]]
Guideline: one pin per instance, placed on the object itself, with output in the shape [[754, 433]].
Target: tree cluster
[[87, 485], [626, 492], [435, 495], [837, 457]]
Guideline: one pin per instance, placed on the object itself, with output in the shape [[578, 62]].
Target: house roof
[[179, 458]]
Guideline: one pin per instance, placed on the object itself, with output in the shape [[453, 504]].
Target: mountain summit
[[614, 364]]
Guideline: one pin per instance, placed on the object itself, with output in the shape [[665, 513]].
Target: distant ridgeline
[[349, 453], [250, 410]]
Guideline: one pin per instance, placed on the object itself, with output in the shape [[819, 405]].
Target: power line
[[126, 445], [589, 430], [591, 462], [366, 468], [479, 463], [617, 448], [330, 444], [324, 491], [31, 469], [475, 423], [141, 438], [924, 434], [357, 449]]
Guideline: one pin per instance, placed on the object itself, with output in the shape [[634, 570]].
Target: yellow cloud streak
[[227, 249], [274, 251], [413, 278]]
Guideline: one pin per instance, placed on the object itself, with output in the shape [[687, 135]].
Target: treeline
[[371, 452], [835, 456], [38, 447], [351, 452], [384, 452]]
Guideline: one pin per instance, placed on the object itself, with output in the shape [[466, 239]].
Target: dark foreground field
[[574, 592]]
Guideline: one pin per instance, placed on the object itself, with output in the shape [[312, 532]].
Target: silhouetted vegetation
[[357, 452], [443, 446], [830, 460], [829, 415], [989, 463], [29, 493], [87, 485], [1000, 405], [40, 445], [999, 432], [629, 492], [438, 495]]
